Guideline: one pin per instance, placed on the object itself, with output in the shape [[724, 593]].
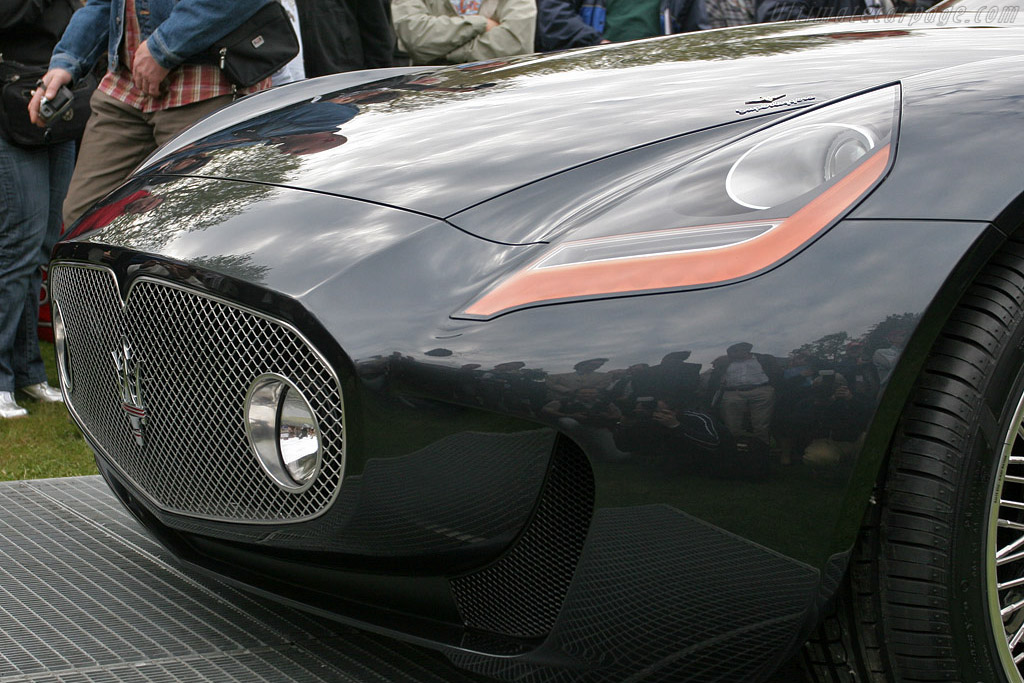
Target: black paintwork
[[691, 528], [455, 137]]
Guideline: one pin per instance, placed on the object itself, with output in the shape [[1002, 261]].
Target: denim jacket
[[176, 30]]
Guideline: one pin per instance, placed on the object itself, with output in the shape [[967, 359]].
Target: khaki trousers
[[754, 405], [117, 138]]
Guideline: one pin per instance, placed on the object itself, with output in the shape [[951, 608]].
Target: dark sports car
[[652, 361]]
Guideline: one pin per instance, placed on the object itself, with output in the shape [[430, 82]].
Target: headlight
[[814, 154], [729, 214], [283, 432]]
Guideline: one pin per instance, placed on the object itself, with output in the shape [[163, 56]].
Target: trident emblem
[[131, 390]]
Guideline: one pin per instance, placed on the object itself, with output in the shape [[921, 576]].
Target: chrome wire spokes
[[1006, 552]]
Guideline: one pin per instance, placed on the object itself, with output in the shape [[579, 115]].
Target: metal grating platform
[[87, 596]]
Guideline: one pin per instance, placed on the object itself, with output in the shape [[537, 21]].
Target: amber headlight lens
[[727, 214], [283, 432]]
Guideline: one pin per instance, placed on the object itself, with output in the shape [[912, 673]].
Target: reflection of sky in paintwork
[[971, 174], [294, 239], [296, 228], [450, 150]]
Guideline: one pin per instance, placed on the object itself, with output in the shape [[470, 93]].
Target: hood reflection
[[418, 140]]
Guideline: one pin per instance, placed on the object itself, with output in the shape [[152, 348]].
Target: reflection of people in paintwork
[[185, 165], [434, 84], [858, 370], [656, 429], [484, 65], [588, 418], [837, 419], [586, 407], [674, 380], [885, 358], [792, 397], [865, 35], [584, 374], [497, 389], [309, 143], [296, 131], [746, 395], [623, 389], [171, 271], [312, 126], [312, 117], [465, 387]]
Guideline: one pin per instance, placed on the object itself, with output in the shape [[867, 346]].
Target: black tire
[[916, 603]]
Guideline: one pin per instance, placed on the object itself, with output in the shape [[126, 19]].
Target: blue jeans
[[33, 183]]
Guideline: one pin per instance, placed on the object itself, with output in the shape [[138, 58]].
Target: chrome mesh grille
[[197, 357]]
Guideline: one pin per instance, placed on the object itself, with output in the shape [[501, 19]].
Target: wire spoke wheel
[[1006, 551], [935, 590]]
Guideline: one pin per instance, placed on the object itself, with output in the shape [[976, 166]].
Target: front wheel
[[935, 591]]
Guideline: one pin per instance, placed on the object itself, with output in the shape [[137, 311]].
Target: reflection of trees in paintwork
[[264, 163], [239, 266], [879, 335], [451, 85], [193, 204], [747, 41], [754, 40], [830, 347]]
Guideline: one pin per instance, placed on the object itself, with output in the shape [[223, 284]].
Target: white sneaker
[[43, 393], [8, 408]]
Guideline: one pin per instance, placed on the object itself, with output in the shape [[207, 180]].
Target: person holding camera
[[34, 177], [150, 91], [837, 418], [588, 416]]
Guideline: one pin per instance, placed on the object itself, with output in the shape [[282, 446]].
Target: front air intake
[[522, 593], [159, 387]]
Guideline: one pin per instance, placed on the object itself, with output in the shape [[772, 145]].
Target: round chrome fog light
[[60, 346], [283, 432]]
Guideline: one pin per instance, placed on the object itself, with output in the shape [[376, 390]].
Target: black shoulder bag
[[17, 81], [261, 45]]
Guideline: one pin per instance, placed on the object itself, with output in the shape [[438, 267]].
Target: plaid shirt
[[184, 84]]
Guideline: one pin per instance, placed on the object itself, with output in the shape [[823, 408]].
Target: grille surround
[[198, 353]]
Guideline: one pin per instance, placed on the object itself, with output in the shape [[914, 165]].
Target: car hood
[[438, 141]]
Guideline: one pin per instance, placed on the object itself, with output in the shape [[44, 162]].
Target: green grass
[[46, 443]]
